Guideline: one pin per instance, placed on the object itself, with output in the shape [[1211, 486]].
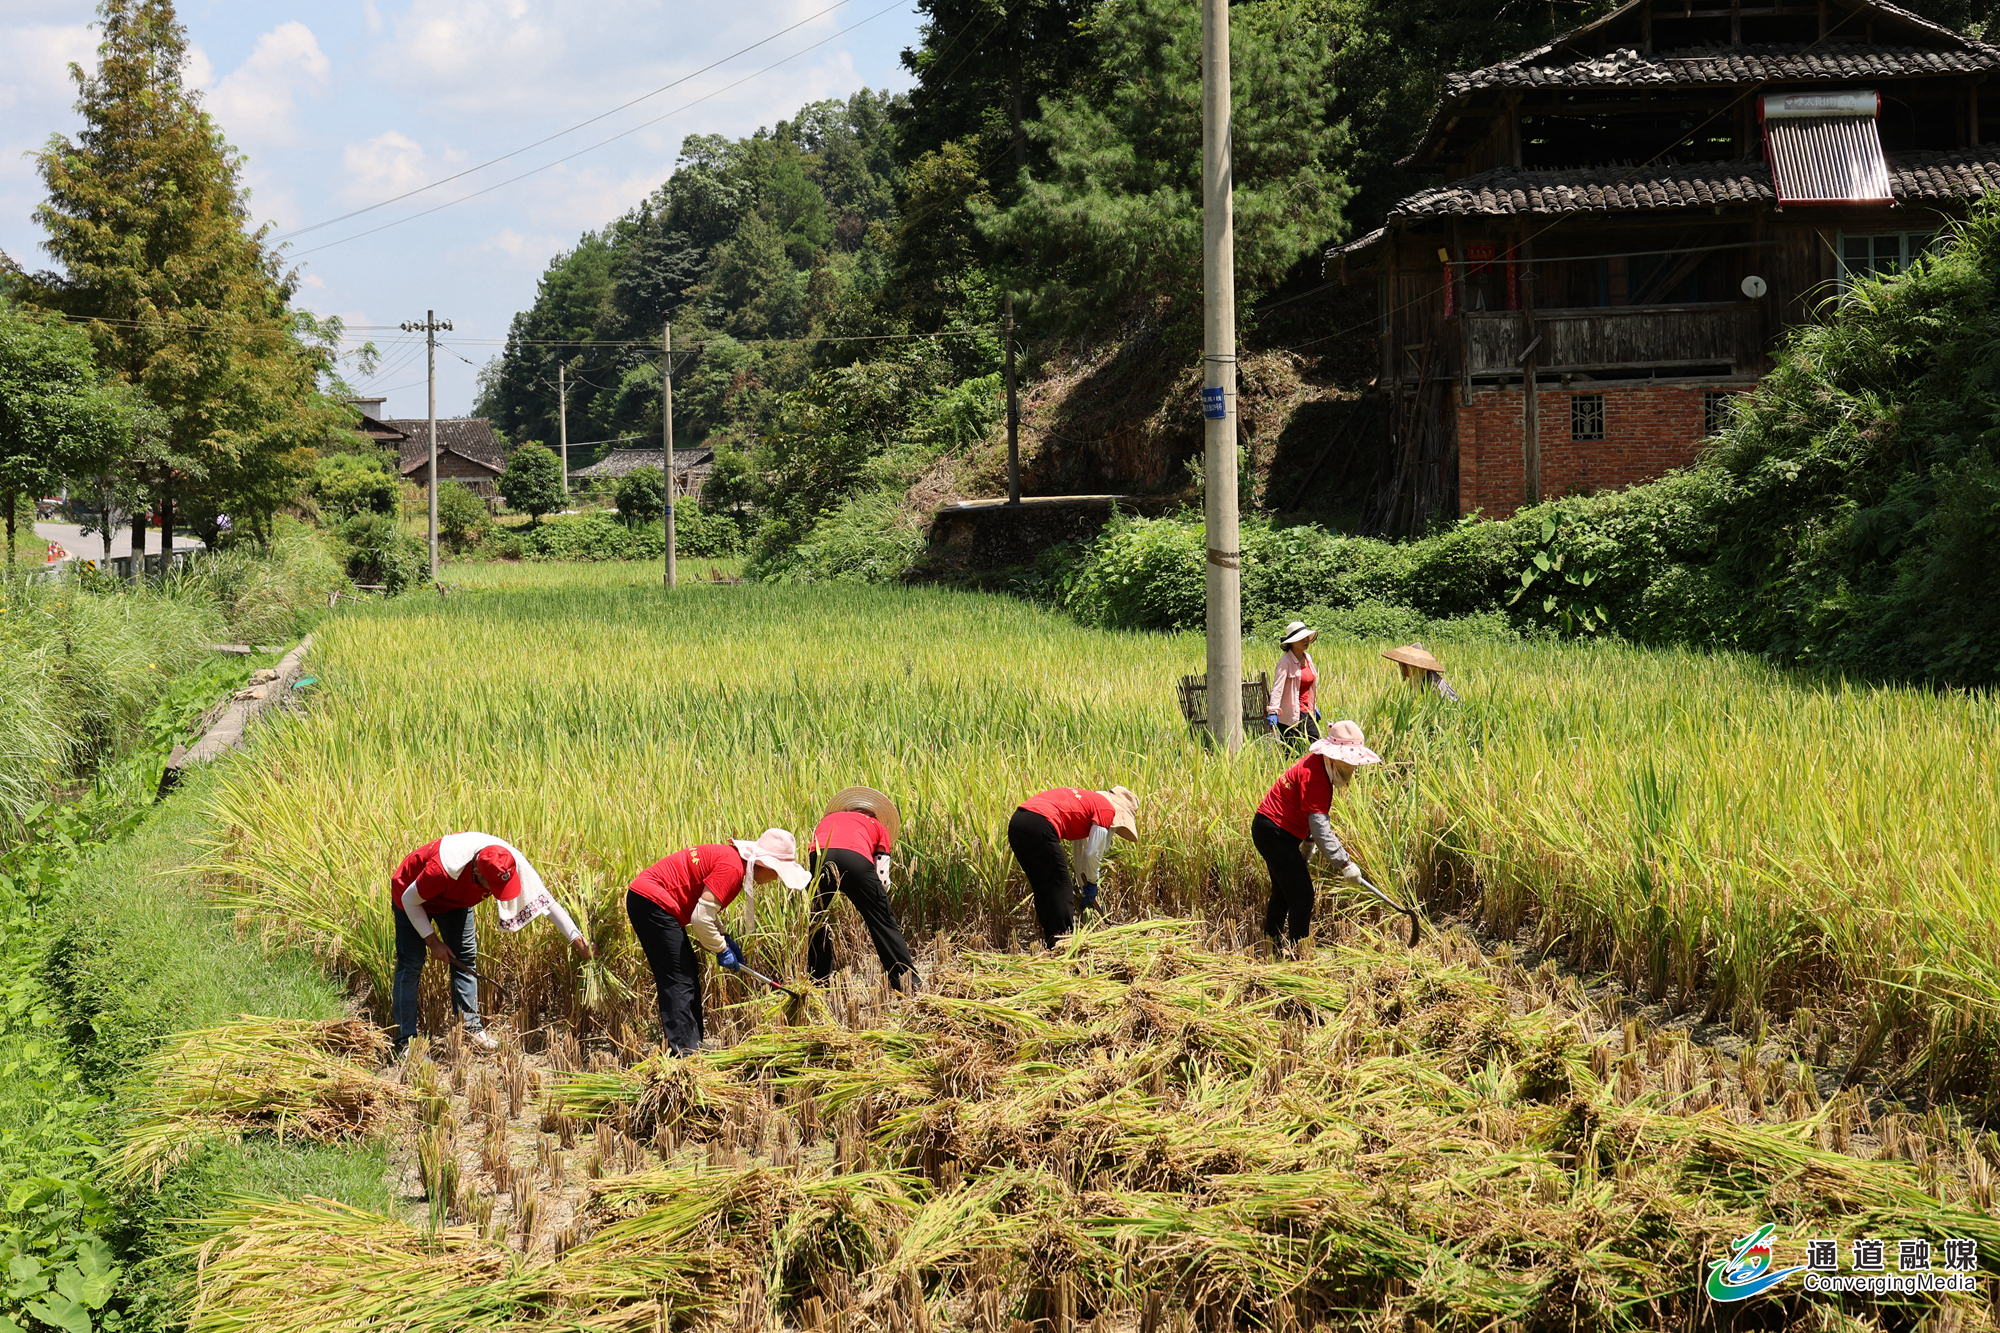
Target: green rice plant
[[1716, 833]]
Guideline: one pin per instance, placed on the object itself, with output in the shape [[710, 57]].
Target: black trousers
[[1291, 909], [1045, 861], [1300, 734], [676, 971], [842, 871]]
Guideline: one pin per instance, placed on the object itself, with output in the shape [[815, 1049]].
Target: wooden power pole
[[1218, 393], [430, 328], [667, 441], [1013, 408]]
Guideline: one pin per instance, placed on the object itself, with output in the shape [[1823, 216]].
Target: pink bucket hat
[[1344, 744], [778, 849]]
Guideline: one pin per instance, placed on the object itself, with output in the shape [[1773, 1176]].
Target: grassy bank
[[1725, 837]]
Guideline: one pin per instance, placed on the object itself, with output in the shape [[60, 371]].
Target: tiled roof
[[1959, 174], [623, 462], [1726, 65], [468, 437]]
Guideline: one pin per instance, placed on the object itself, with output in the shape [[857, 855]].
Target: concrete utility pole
[[1013, 409], [430, 328], [667, 437], [562, 417], [1218, 393]]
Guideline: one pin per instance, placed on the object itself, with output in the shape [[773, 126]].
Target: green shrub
[[378, 552], [533, 481], [582, 537], [641, 496], [463, 519], [872, 538], [704, 533], [347, 484]]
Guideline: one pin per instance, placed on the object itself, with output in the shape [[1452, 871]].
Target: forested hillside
[[835, 281]]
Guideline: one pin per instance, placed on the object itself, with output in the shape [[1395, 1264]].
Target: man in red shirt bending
[[1086, 820], [676, 903], [433, 893], [850, 855]]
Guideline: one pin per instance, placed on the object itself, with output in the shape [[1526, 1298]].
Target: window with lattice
[[1586, 416], [1715, 410]]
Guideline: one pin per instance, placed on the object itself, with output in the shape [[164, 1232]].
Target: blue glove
[[1090, 897], [731, 956], [1272, 720]]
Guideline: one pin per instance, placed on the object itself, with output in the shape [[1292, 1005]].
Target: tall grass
[[1718, 832], [81, 661]]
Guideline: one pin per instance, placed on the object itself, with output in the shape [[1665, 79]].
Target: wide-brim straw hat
[[868, 801], [1344, 743], [1297, 630], [1124, 812], [1413, 654]]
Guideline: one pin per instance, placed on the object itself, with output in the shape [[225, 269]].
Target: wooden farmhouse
[[1629, 218], [468, 451]]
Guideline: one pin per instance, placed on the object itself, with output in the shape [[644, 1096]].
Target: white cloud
[[256, 100], [372, 17], [388, 164], [38, 60]]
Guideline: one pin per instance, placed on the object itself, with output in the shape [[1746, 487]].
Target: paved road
[[70, 537]]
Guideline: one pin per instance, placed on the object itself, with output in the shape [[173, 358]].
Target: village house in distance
[[1631, 216], [468, 449]]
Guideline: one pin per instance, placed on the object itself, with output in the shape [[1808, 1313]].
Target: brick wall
[[1649, 429]]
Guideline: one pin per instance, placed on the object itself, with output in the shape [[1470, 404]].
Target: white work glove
[[1351, 871], [882, 870]]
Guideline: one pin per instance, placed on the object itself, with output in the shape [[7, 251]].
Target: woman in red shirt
[[1294, 711], [1295, 811], [676, 903], [1084, 819], [850, 855]]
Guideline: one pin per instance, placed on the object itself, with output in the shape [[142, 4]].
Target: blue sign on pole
[[1212, 405]]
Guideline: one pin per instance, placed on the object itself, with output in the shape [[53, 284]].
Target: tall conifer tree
[[148, 219]]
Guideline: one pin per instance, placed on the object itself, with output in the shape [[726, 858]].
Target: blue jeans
[[455, 929]]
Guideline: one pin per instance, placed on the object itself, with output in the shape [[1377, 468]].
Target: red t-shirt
[[853, 831], [676, 882], [1073, 810], [1303, 790], [438, 891], [1307, 679]]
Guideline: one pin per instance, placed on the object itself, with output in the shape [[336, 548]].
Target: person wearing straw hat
[[1293, 713], [850, 854], [1296, 812], [1085, 820], [1421, 670], [676, 903], [433, 893]]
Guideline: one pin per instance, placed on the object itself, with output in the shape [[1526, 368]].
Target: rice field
[[1713, 950], [1725, 840]]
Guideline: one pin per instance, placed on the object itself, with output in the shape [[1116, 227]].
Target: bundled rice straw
[[289, 1077], [1135, 1124]]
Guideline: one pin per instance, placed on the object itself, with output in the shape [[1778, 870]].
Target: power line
[[897, 4], [571, 130]]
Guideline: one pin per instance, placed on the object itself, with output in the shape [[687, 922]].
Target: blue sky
[[342, 105]]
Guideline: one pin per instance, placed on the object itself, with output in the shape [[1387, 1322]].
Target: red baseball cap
[[496, 866]]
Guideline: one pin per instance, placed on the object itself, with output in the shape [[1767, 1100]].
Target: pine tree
[[148, 219]]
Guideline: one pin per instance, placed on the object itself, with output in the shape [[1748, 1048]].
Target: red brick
[[1649, 429]]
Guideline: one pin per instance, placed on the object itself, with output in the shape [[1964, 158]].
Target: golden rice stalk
[[288, 1077]]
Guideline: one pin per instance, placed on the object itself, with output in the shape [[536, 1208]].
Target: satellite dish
[[1754, 286]]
